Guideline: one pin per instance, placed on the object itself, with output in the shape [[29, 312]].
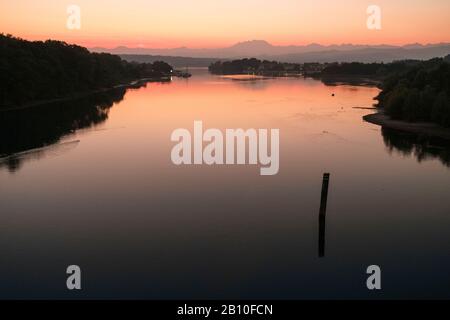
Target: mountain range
[[304, 53]]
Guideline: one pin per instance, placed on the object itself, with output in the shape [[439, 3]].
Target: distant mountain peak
[[313, 52], [260, 44], [314, 44], [413, 45]]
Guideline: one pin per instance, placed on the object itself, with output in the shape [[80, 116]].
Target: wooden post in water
[[322, 213]]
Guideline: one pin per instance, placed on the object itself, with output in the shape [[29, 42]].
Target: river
[[91, 183]]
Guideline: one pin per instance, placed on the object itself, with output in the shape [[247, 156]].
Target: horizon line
[[144, 46]]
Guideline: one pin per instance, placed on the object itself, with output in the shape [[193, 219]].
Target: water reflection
[[258, 84], [32, 133], [349, 80], [421, 147], [144, 228], [14, 161]]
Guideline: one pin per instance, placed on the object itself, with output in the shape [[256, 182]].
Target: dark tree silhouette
[[36, 70], [253, 66], [418, 93]]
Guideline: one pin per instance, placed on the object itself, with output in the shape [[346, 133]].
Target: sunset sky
[[219, 23]]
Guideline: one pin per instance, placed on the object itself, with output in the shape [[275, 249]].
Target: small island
[[257, 67]]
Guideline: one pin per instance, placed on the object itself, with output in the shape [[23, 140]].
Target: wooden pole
[[322, 213]]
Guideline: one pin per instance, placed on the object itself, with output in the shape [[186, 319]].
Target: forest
[[373, 70], [420, 92], [41, 70]]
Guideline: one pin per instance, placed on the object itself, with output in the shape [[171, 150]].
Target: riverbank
[[421, 128], [133, 84]]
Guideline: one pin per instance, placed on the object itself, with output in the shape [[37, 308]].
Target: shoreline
[[347, 79], [244, 77], [133, 84], [420, 128], [336, 79]]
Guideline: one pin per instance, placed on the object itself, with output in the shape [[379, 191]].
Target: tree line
[[253, 66], [40, 70], [377, 70]]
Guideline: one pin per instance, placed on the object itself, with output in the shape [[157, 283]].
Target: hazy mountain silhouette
[[177, 62], [366, 55], [307, 53]]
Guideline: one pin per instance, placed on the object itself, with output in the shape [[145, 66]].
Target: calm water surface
[[91, 183]]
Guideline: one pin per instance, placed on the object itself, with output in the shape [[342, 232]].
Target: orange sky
[[219, 23]]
